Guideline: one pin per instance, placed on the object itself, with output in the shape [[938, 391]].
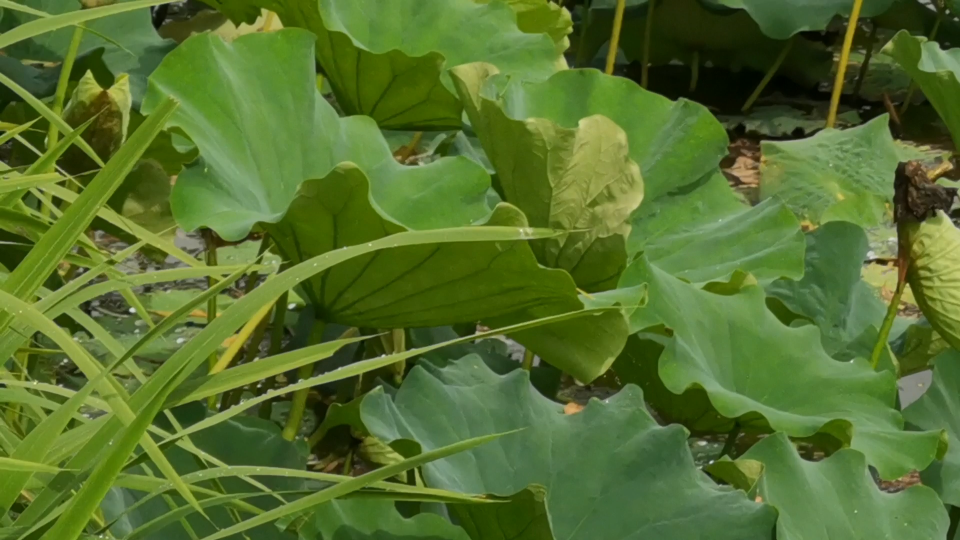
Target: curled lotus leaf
[[109, 108], [933, 272]]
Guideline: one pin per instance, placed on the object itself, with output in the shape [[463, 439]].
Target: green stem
[[254, 276], [694, 71], [731, 442], [913, 84], [888, 320], [299, 403], [210, 256], [768, 76], [276, 345], [253, 349], [844, 61], [399, 346], [615, 36], [647, 38], [527, 363], [60, 97], [581, 59], [865, 66]]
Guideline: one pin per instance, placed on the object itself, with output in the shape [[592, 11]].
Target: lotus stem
[[647, 38], [406, 152], [891, 315], [768, 76], [276, 345], [210, 256], [527, 363], [299, 403], [694, 71], [844, 60], [581, 59], [913, 84], [615, 36], [729, 446], [865, 66], [399, 346], [60, 97], [254, 276]]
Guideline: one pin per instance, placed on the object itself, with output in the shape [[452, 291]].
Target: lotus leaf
[[917, 346], [781, 19], [132, 46], [939, 408], [364, 519], [570, 179], [934, 272], [704, 232], [837, 499], [935, 71], [530, 131], [831, 293], [836, 175], [109, 108], [392, 67], [769, 377], [724, 38], [358, 193], [542, 17], [642, 481]]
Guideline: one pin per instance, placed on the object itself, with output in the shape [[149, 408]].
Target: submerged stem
[[299, 403], [844, 60], [647, 38], [768, 76], [865, 66], [527, 363], [210, 256], [694, 71], [399, 345], [731, 442], [615, 36]]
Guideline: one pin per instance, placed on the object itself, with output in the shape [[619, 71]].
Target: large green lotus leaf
[[431, 285], [579, 179], [132, 47], [356, 193], [392, 67], [371, 519], [934, 272], [836, 175], [770, 377], [831, 294], [704, 232], [837, 498], [781, 19], [609, 471], [542, 17], [935, 70], [724, 38], [939, 408], [243, 178]]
